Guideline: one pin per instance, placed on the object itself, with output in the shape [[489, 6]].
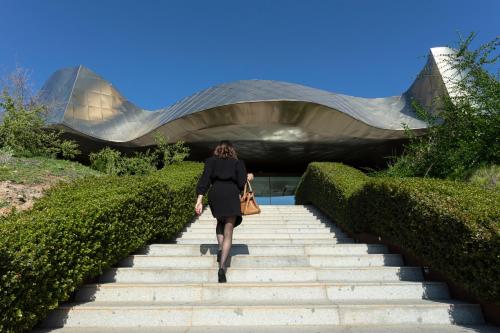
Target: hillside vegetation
[[23, 179]]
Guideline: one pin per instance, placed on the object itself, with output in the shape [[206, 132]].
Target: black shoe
[[218, 255], [222, 276]]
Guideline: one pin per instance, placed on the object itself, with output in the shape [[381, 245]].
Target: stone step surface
[[291, 270], [376, 328], [267, 222], [286, 292], [254, 241], [230, 313], [264, 261], [261, 230], [263, 250], [278, 274], [251, 235], [272, 224]]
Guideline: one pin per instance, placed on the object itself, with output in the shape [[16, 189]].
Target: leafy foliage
[[79, 229], [23, 127], [112, 162], [329, 186], [466, 131], [107, 160], [452, 226], [170, 153]]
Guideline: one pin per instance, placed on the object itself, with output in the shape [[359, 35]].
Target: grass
[[36, 170], [486, 176]]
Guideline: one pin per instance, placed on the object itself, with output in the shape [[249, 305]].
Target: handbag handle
[[247, 188], [250, 187], [247, 198]]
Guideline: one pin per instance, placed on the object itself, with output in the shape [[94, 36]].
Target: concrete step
[[264, 226], [278, 274], [264, 261], [252, 235], [260, 292], [273, 213], [271, 217], [272, 224], [264, 211], [210, 234], [291, 270], [264, 230], [263, 250], [376, 328], [310, 241], [104, 314]]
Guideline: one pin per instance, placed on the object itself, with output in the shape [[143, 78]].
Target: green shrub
[[139, 164], [329, 187], [79, 229], [452, 226], [170, 153], [110, 161], [23, 123], [107, 160], [464, 133]]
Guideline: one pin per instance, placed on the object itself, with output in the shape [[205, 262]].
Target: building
[[273, 124]]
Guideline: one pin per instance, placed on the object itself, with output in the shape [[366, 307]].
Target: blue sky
[[157, 52]]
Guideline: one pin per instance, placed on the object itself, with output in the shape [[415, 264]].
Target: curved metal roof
[[261, 115]]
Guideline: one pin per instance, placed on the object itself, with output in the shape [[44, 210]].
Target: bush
[[111, 161], [329, 187], [139, 164], [453, 226], [170, 153], [22, 123], [79, 229], [464, 134], [108, 161]]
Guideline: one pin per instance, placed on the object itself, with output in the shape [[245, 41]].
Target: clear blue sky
[[157, 52]]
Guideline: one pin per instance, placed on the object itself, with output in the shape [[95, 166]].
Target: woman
[[227, 176]]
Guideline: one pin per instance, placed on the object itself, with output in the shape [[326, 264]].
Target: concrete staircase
[[291, 270]]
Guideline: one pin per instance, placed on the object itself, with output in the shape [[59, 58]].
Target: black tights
[[224, 231]]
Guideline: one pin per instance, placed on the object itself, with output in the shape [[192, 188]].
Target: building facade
[[271, 123]]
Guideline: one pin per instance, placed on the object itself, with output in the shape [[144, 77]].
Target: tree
[[464, 135], [23, 128]]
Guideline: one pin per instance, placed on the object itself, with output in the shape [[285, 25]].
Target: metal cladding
[[266, 120]]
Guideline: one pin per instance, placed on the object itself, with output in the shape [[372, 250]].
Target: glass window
[[275, 190]]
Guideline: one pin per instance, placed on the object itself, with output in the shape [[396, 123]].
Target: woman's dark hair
[[225, 149]]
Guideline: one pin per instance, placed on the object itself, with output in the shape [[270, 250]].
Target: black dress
[[227, 178]]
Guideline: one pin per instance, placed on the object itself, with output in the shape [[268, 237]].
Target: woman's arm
[[203, 186], [204, 181], [241, 174]]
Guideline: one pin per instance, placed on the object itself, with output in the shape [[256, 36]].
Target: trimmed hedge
[[329, 186], [454, 227], [79, 229]]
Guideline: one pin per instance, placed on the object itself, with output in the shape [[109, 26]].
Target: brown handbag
[[248, 203]]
